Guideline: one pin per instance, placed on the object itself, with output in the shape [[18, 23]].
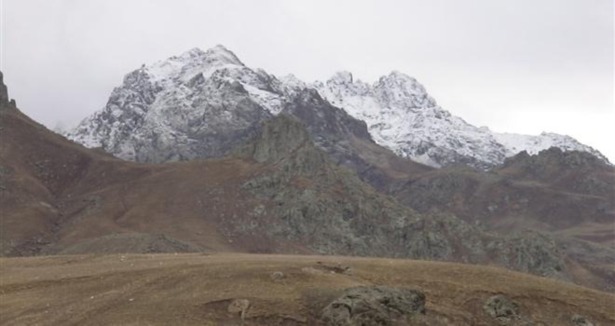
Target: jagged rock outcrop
[[4, 93], [281, 138], [504, 310], [579, 320]]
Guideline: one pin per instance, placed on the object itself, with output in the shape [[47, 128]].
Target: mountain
[[554, 189], [568, 195], [194, 105], [403, 117], [278, 192], [203, 103], [575, 215]]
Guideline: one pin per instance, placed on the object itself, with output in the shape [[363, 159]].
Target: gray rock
[[579, 320], [240, 307], [337, 268], [4, 94], [501, 308], [363, 222], [378, 305], [531, 252], [277, 276]]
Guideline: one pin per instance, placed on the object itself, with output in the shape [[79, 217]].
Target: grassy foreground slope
[[196, 289]]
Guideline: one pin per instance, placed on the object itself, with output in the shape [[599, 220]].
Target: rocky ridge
[[403, 117], [327, 206]]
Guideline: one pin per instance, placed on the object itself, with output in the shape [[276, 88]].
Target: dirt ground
[[196, 289]]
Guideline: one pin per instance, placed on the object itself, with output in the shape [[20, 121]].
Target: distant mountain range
[[202, 103]]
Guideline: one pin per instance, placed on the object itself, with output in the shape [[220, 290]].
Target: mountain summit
[[204, 103]]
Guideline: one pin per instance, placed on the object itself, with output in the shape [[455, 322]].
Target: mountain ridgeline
[[201, 103]]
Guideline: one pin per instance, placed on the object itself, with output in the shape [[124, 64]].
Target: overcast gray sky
[[521, 66]]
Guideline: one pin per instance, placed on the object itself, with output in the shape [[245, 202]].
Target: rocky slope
[[555, 189], [568, 195], [203, 103]]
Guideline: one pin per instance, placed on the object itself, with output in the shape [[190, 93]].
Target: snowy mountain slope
[[402, 116], [198, 104], [204, 103], [515, 143]]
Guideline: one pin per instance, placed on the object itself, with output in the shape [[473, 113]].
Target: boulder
[[377, 305], [501, 308], [277, 276], [240, 307], [578, 320]]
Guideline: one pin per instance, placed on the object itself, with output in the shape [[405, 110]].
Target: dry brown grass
[[195, 289]]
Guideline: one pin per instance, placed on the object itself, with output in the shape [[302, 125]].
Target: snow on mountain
[[515, 143], [175, 108], [402, 116], [203, 103]]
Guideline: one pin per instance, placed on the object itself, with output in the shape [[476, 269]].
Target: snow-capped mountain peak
[[173, 108], [190, 54], [162, 108], [402, 91], [222, 54], [402, 116], [193, 62]]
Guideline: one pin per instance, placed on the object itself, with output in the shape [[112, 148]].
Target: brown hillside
[[568, 193]]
